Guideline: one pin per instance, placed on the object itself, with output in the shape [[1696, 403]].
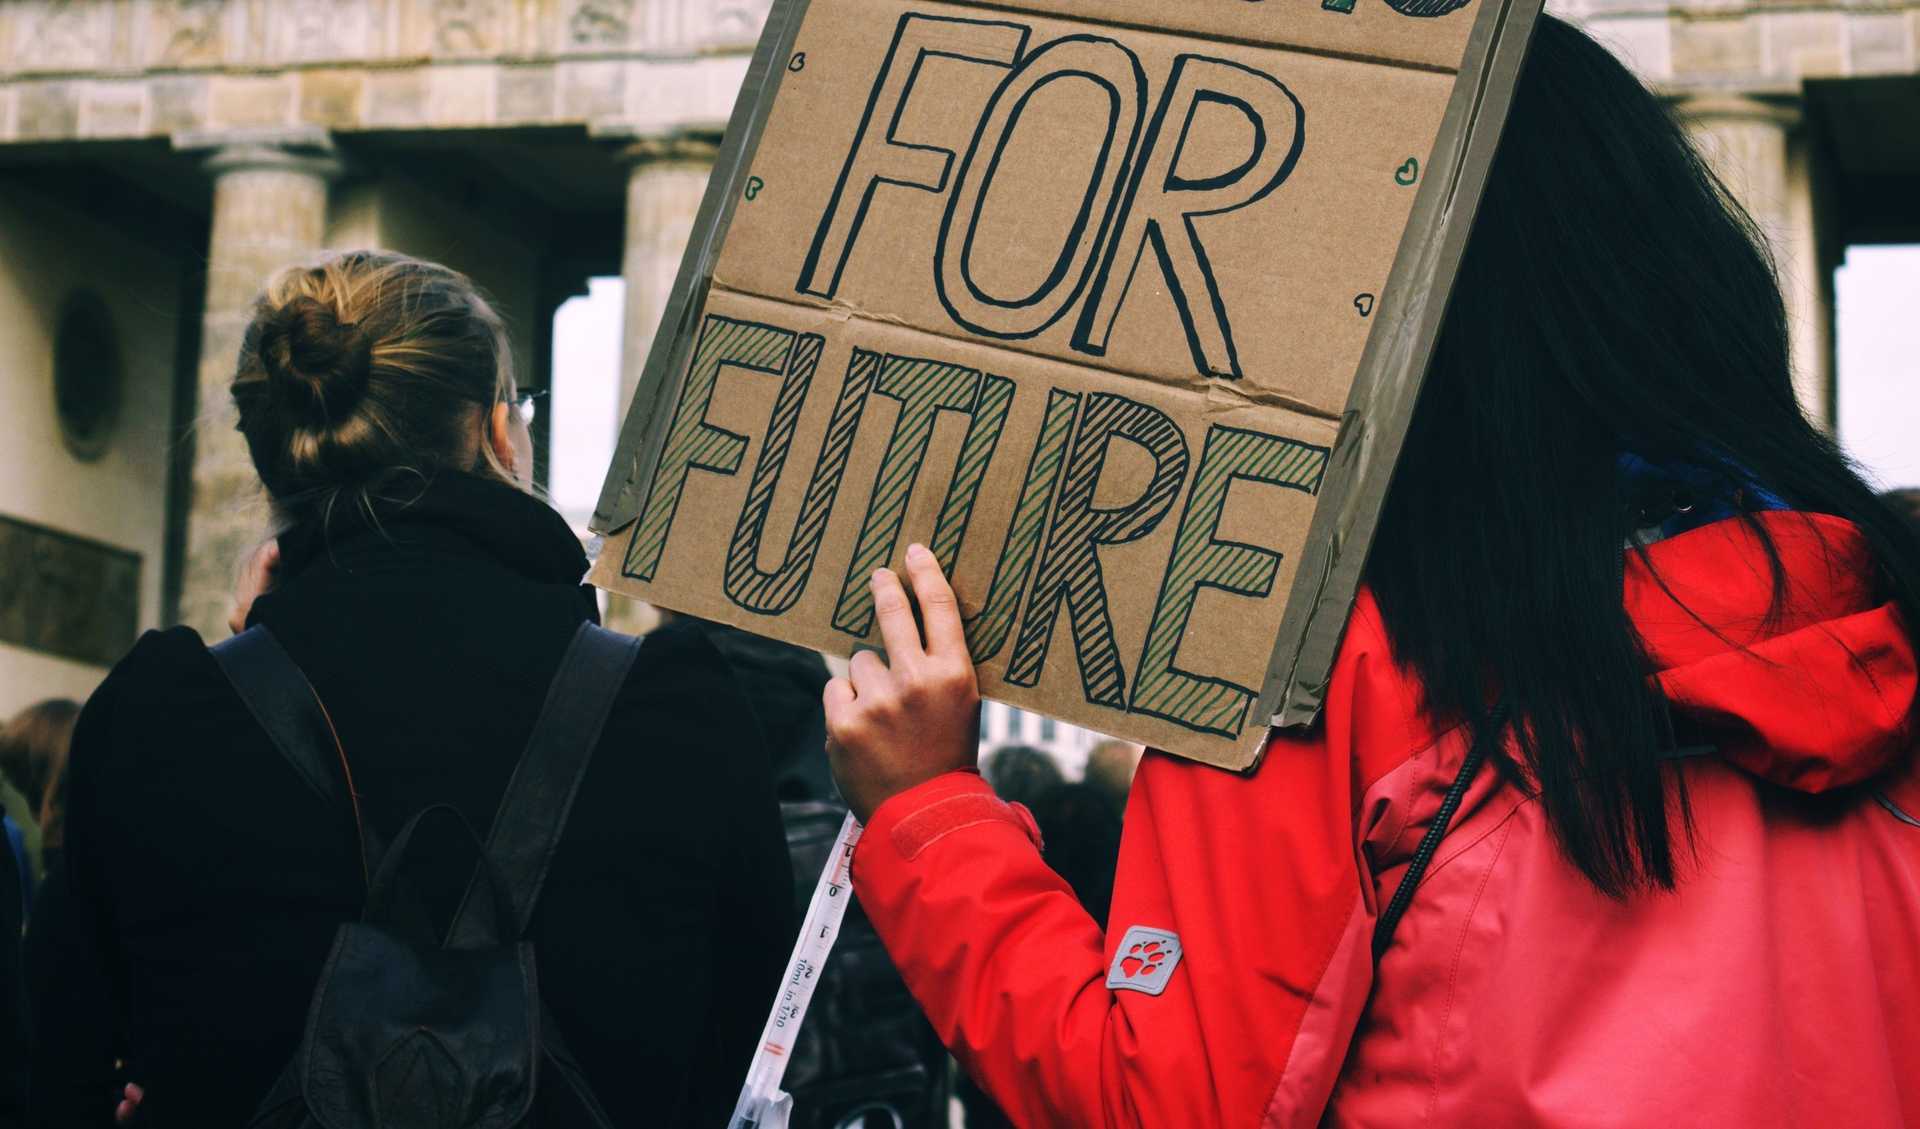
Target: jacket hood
[[1814, 694]]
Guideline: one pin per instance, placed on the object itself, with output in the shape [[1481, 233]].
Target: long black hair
[[1613, 299]]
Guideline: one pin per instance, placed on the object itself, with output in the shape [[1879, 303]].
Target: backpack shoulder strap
[[1485, 735], [534, 810], [279, 697], [276, 692]]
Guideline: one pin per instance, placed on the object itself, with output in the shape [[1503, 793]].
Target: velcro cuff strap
[[943, 817]]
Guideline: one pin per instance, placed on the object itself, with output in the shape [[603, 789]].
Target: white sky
[[1879, 301], [1879, 361], [586, 382]]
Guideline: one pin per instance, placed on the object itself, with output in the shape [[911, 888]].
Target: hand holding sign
[[897, 723]]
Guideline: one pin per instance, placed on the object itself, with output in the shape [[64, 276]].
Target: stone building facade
[[159, 157], [1811, 114]]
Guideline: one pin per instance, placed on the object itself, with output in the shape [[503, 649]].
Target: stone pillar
[[269, 210], [1760, 150], [664, 189], [665, 184]]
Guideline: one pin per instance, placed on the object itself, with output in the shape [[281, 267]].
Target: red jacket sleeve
[[1260, 878]]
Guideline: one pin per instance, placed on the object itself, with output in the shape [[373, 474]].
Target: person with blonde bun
[[428, 596]]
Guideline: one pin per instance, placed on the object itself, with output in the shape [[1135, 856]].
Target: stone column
[[269, 210], [666, 181], [664, 189], [1760, 151]]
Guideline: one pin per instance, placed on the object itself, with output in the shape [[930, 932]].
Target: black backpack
[[408, 1030]]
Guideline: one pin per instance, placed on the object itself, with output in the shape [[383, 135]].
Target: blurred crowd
[[867, 1053], [33, 762]]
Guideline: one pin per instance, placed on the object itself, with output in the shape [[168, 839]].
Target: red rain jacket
[[1779, 986]]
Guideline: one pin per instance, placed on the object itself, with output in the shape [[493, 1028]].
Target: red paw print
[[1143, 959]]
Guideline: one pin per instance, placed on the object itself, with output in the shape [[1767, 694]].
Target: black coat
[[13, 1000], [214, 880]]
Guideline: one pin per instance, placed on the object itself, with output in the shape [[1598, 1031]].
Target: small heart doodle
[[1364, 303], [1407, 173], [754, 185]]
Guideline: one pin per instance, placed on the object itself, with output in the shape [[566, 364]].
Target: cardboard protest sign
[[1120, 306]]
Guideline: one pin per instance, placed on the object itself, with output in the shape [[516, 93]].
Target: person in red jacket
[[1616, 555]]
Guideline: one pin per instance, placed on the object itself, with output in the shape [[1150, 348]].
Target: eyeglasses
[[528, 404]]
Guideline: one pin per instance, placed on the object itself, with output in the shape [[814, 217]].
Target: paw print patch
[[1144, 961]]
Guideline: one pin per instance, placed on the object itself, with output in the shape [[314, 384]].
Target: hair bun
[[317, 366]]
